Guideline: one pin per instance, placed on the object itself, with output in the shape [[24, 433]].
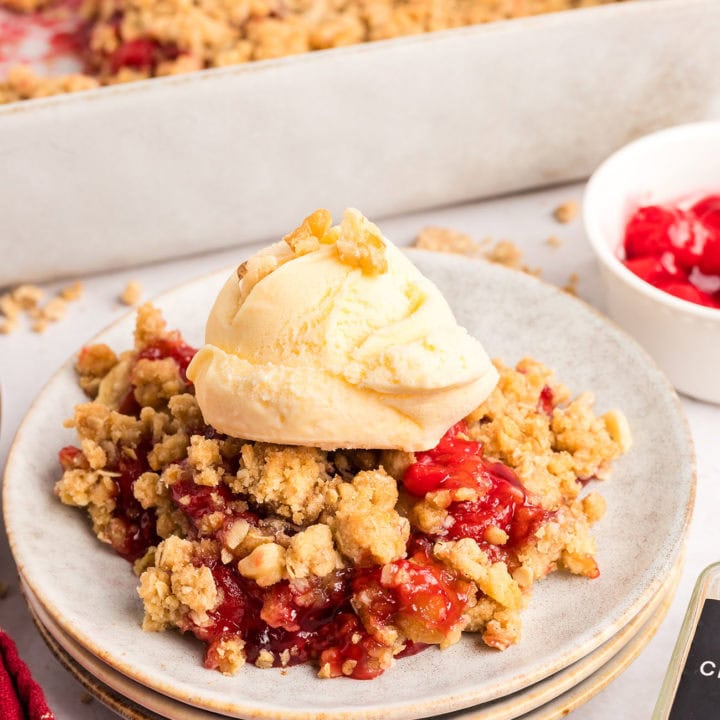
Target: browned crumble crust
[[188, 36], [321, 511], [22, 83]]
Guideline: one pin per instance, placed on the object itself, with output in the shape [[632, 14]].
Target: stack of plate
[[578, 634]]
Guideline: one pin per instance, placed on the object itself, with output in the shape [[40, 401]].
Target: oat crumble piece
[[472, 563], [554, 241], [506, 253], [27, 297], [93, 364], [571, 287], [441, 239], [22, 83], [367, 528], [156, 381], [360, 244], [8, 326], [566, 212], [132, 293], [178, 585], [310, 234], [149, 327], [503, 252], [228, 655], [266, 564], [40, 325], [291, 481], [548, 450], [72, 292], [312, 552]]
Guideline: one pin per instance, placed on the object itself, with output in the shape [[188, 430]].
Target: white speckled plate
[[90, 593]]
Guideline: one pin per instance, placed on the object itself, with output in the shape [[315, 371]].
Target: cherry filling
[[140, 54], [354, 621], [132, 531], [173, 348], [176, 349], [419, 595], [501, 499], [137, 526], [342, 621], [546, 401], [677, 250]]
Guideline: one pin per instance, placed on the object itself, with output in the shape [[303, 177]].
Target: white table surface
[[27, 360]]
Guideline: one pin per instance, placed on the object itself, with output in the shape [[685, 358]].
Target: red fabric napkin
[[21, 698]]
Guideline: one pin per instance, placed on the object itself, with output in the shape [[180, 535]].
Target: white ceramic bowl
[[682, 161]]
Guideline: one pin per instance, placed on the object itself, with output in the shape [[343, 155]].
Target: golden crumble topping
[[368, 528], [177, 586], [214, 524], [312, 552], [132, 39], [292, 481], [310, 234], [360, 243], [529, 423], [22, 83]]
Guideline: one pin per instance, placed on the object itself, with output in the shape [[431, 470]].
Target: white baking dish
[[143, 171]]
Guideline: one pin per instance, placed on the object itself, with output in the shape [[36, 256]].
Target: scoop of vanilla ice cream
[[314, 349]]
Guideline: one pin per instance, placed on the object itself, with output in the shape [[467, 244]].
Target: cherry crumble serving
[[281, 555]]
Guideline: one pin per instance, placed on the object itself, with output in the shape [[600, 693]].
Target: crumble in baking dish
[[125, 40]]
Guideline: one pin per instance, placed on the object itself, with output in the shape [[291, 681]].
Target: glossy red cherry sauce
[[171, 347], [345, 622], [332, 620], [677, 249], [133, 530], [502, 500], [339, 618]]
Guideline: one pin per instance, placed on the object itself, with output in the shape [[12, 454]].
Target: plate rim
[[658, 605], [450, 701]]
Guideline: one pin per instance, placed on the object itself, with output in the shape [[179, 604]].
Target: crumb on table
[[74, 291], [571, 287], [132, 293], [566, 212], [26, 300], [442, 239]]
